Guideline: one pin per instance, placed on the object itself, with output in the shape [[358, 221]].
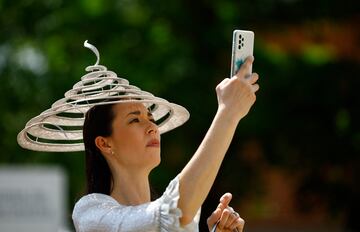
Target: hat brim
[[59, 129]]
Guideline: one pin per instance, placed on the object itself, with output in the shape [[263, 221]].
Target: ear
[[103, 144]]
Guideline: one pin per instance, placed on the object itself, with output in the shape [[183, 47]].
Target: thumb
[[224, 201], [214, 217]]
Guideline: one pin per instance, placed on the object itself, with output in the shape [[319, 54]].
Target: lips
[[153, 143]]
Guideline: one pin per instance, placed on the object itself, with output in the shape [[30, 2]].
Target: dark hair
[[98, 122]]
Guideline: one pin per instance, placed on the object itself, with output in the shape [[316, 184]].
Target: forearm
[[235, 98], [199, 174]]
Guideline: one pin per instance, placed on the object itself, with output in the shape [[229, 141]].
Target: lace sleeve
[[170, 213], [100, 213]]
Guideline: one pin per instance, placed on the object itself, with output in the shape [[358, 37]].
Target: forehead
[[123, 109]]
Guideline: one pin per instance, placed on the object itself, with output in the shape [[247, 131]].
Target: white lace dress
[[100, 212]]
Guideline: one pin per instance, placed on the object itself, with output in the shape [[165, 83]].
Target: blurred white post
[[32, 198]]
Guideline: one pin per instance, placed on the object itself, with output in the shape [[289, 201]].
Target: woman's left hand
[[225, 217]]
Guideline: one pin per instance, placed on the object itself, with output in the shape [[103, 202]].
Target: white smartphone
[[242, 47]]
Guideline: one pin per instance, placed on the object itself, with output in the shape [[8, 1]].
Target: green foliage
[[307, 110]]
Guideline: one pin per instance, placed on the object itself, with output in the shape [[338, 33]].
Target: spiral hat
[[59, 129]]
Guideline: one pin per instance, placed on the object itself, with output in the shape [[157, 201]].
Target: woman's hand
[[237, 94], [228, 220]]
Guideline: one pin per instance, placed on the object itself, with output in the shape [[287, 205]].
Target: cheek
[[129, 142]]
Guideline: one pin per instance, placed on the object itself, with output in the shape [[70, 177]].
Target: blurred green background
[[294, 161]]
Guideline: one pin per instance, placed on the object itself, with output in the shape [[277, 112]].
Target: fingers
[[245, 67], [252, 81], [224, 217], [219, 212], [238, 224], [214, 217], [225, 220], [230, 220], [245, 73], [255, 87], [253, 78]]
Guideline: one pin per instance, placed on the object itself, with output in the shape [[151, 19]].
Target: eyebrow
[[138, 113]]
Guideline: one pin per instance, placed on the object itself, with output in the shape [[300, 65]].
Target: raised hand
[[236, 95]]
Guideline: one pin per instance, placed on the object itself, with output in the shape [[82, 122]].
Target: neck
[[130, 188]]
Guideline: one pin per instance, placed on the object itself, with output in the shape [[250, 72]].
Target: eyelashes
[[135, 120]]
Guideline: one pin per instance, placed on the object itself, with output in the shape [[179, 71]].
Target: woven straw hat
[[59, 129]]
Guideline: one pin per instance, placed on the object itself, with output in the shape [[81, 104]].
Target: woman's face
[[135, 138]]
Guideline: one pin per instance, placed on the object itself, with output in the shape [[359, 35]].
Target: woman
[[122, 145]]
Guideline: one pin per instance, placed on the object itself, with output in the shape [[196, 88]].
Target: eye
[[134, 120]]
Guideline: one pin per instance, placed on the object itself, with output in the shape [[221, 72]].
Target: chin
[[154, 160]]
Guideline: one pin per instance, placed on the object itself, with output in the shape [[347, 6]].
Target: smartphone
[[242, 47]]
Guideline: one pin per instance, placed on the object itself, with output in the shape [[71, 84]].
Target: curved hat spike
[[94, 50]]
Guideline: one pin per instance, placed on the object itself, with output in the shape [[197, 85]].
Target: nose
[[152, 128]]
